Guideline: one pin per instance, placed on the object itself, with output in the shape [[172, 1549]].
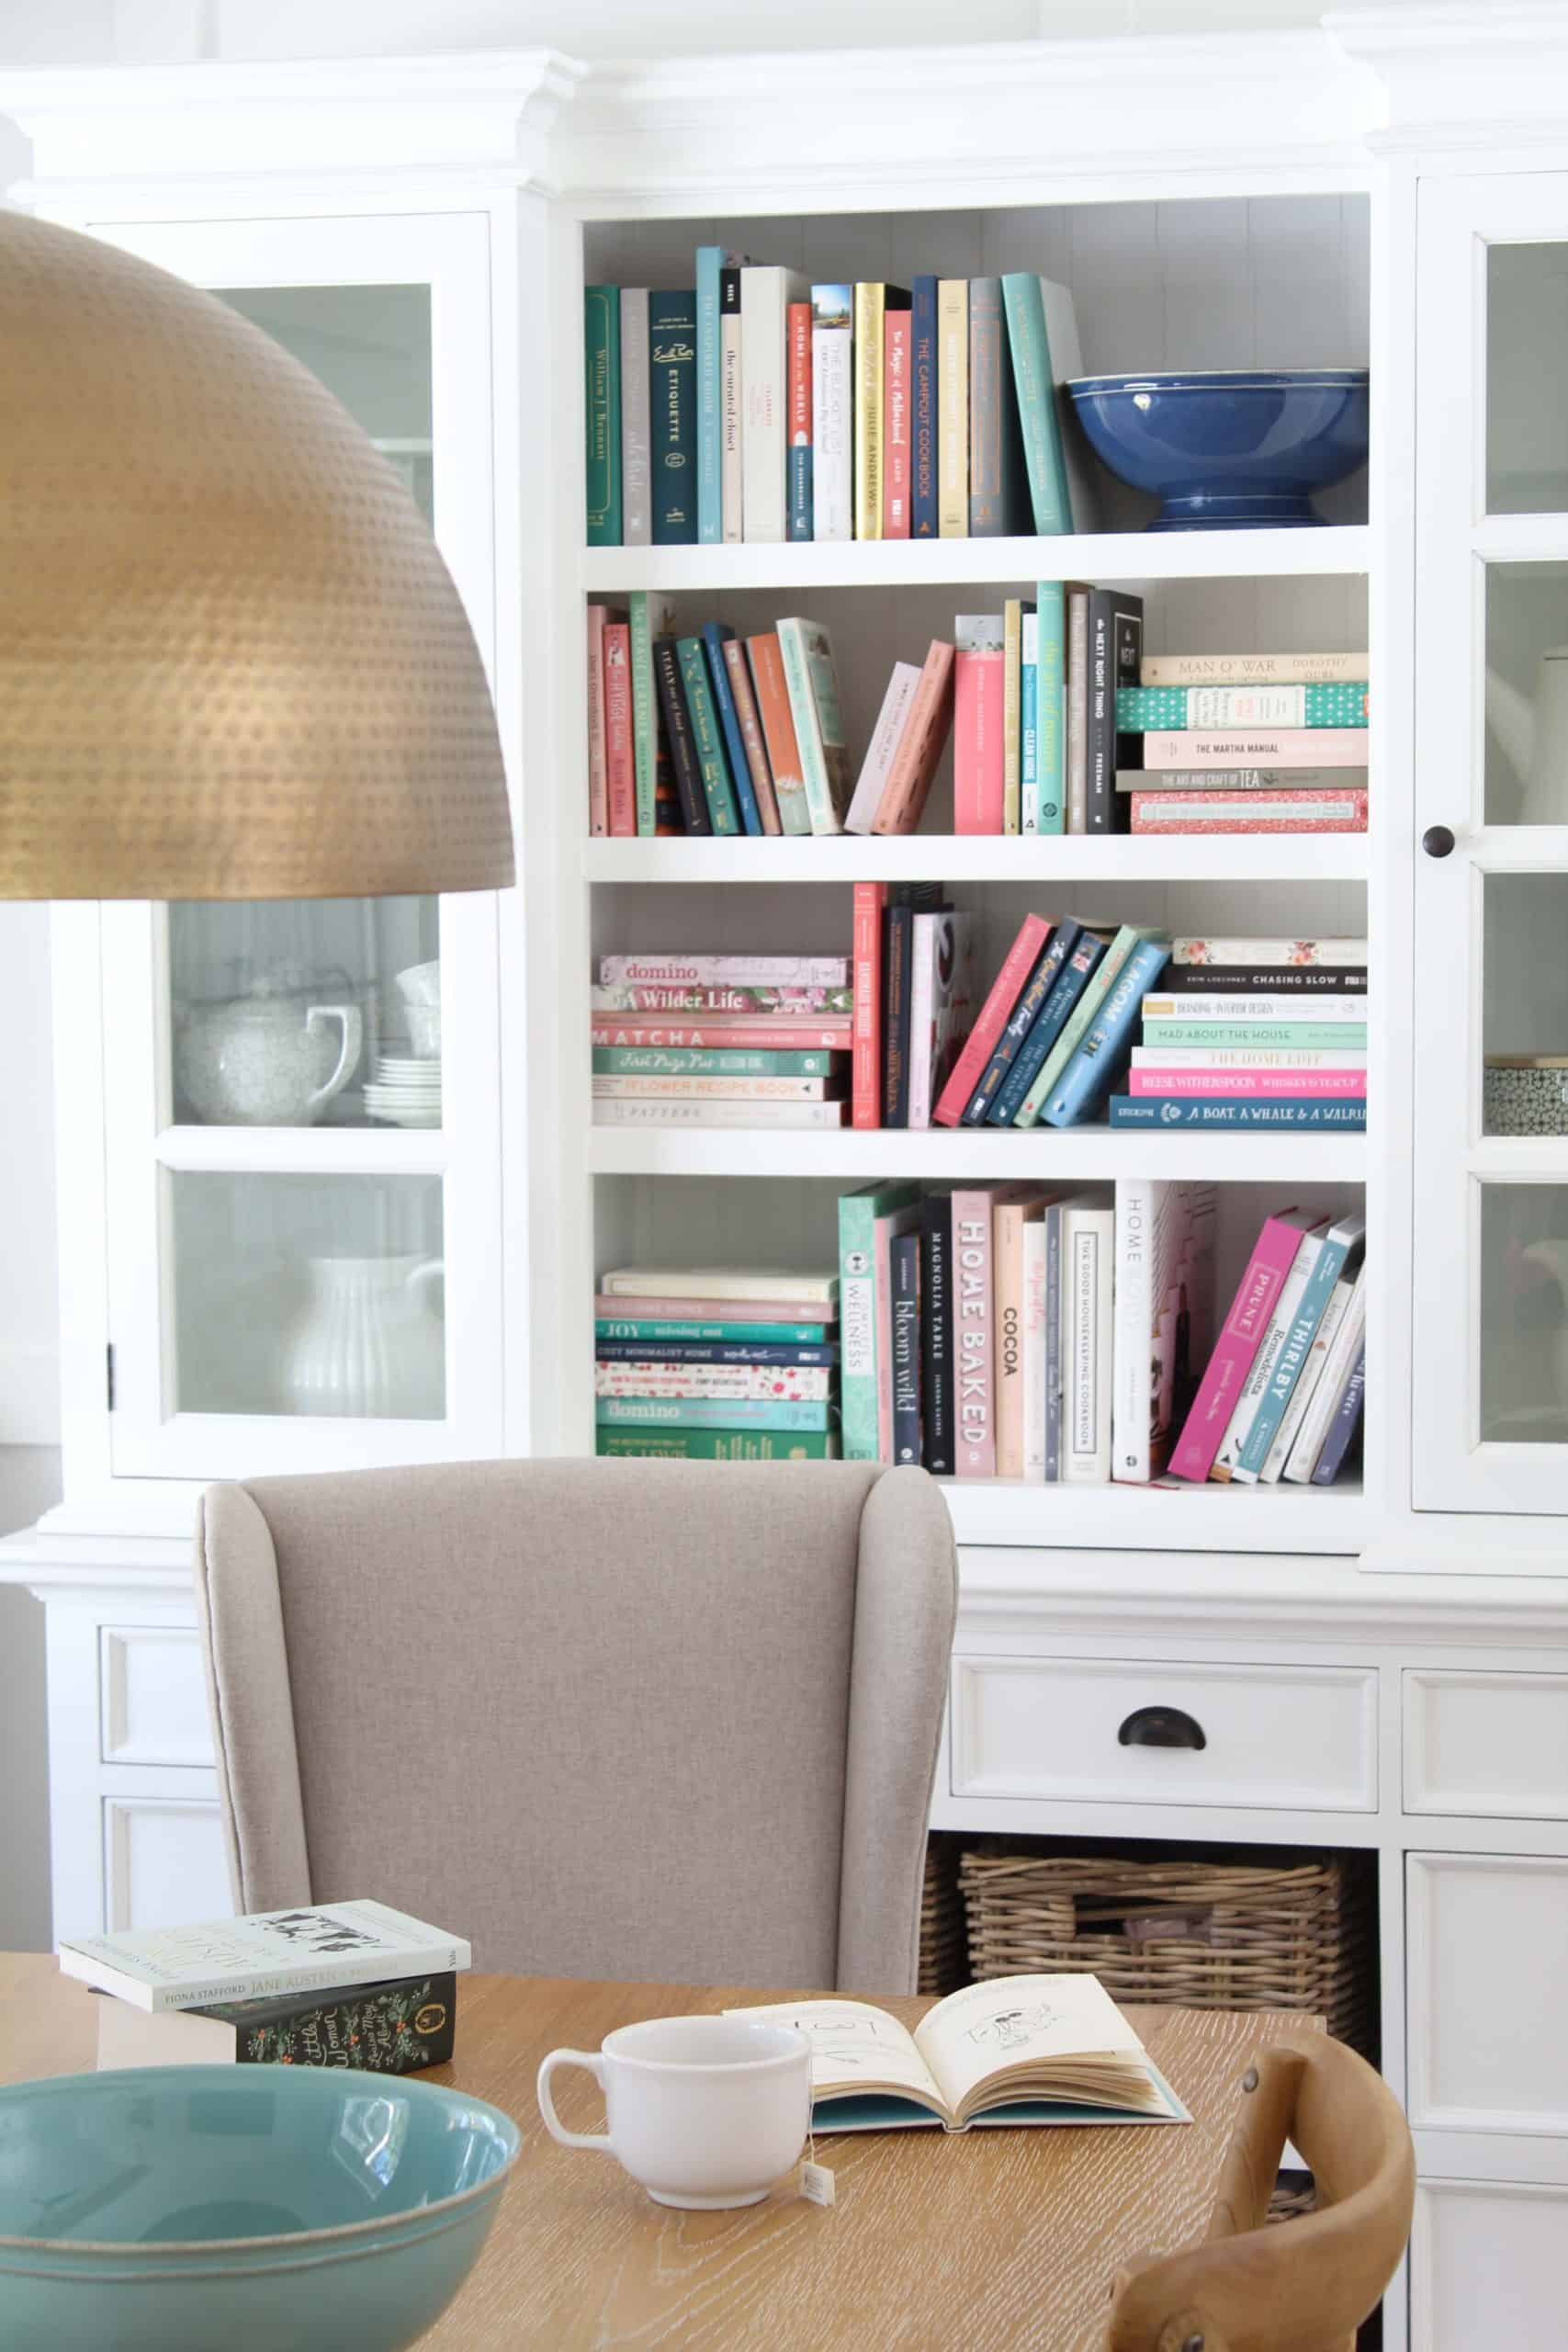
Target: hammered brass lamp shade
[[232, 664]]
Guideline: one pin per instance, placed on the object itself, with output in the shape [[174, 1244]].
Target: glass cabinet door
[[303, 1122], [1491, 1159]]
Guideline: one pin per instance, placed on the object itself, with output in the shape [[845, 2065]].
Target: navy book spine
[[1020, 1022], [672, 415], [936, 1335], [905, 1267], [1342, 1428], [714, 636], [1058, 1011], [924, 442]]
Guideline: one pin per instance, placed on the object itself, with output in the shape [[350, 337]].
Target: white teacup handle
[[353, 1038], [433, 1271], [592, 2064]]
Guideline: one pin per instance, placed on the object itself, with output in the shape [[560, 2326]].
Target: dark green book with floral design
[[397, 2028]]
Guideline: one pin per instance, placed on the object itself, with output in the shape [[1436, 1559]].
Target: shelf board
[[1077, 1154], [1175, 1517], [304, 1151], [986, 857], [910, 563]]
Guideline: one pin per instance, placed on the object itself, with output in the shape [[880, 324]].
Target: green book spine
[[1142, 710], [722, 1445], [1325, 1037], [798, 1335], [602, 355], [710, 1413], [858, 1318], [717, 790], [716, 1061], [645, 713], [1036, 389], [1098, 987], [1051, 707]]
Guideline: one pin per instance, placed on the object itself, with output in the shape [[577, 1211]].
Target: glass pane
[[1526, 692], [306, 1013], [1524, 1004], [1524, 1314], [1527, 365], [318, 1294], [370, 345]]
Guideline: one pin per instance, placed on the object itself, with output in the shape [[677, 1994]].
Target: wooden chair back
[[1304, 2286]]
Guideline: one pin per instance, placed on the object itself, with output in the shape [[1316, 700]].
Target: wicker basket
[[941, 1968]]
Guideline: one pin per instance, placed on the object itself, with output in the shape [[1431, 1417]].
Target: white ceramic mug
[[705, 2112]]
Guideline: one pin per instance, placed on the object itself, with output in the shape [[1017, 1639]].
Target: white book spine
[[1031, 1349], [766, 292], [725, 971], [1307, 1379], [769, 1285], [1258, 952], [795, 654], [832, 407], [1089, 1246], [637, 445], [922, 1016], [731, 380], [1133, 1332], [1223, 1011], [1262, 1371], [1337, 1369], [748, 1383], [1157, 1057], [669, 1112], [884, 744], [1253, 669]]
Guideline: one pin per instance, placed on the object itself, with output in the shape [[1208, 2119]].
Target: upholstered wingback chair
[[636, 1719]]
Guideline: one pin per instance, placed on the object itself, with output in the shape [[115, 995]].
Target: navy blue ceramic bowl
[[248, 2208], [1239, 449]]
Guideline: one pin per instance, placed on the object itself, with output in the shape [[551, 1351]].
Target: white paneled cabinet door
[[301, 1098], [1491, 1264]]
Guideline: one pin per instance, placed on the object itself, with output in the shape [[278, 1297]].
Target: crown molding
[[1452, 70]]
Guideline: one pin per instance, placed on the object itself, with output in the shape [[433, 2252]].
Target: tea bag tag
[[817, 2184]]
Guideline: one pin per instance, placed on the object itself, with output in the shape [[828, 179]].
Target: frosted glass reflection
[[1524, 1314]]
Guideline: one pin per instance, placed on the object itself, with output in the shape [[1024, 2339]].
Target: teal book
[[1144, 710], [1320, 1036], [722, 1445], [1095, 990], [1051, 708], [708, 743], [715, 636], [859, 1319], [601, 356], [1102, 1056], [710, 1413], [1169, 1111], [1339, 1243], [767, 1335], [1035, 385], [711, 260], [672, 415]]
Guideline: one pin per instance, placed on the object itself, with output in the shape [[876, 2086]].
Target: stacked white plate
[[405, 1092]]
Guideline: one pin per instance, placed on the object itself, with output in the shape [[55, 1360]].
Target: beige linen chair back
[[1303, 2286], [636, 1719]]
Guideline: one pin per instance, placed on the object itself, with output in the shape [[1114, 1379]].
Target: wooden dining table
[[999, 2238]]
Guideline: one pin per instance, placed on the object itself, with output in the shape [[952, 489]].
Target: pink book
[[977, 730], [1006, 990], [832, 1030], [865, 1077], [620, 762], [597, 774], [895, 425], [975, 1374], [1320, 810], [1019, 1206], [1257, 747], [1240, 1336], [882, 1233], [630, 1306], [1237, 1084]]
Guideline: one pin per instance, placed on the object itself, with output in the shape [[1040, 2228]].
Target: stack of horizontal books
[[1247, 744], [721, 1041], [718, 1365], [353, 1984]]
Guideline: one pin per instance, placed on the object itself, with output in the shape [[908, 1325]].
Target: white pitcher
[[365, 1342]]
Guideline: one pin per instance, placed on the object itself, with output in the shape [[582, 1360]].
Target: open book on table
[[1017, 2050]]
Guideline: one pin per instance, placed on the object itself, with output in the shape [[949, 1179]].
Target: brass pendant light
[[232, 664]]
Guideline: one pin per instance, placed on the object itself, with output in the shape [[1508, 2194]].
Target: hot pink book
[[832, 1031], [1234, 1085], [1257, 747], [975, 1389], [1320, 810], [598, 776], [1240, 1336], [882, 1232], [895, 425], [977, 728], [1006, 990], [620, 761]]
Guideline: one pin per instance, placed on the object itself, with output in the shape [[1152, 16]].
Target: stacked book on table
[[1069, 1337], [1252, 1033], [721, 1041], [1246, 744], [755, 405], [353, 1984], [718, 1365]]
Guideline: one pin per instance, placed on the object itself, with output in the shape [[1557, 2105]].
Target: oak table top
[[1001, 2238]]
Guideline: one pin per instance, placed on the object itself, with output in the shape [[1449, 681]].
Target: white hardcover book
[[1032, 1349], [1256, 954], [669, 1112], [766, 293], [720, 1282], [885, 735], [1337, 1366], [1089, 1244], [725, 971], [1249, 669], [1287, 1301], [1307, 1379], [942, 1005], [1164, 1293], [1157, 1057], [637, 443], [313, 1947], [832, 413], [1223, 1010]]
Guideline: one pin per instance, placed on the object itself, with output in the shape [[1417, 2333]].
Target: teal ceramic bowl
[[240, 2208]]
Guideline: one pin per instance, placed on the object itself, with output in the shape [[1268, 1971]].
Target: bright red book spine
[[832, 1031], [977, 766], [895, 425], [1006, 990], [865, 1077], [620, 757]]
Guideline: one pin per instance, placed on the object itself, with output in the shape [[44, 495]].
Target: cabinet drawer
[[152, 1696], [1486, 2266], [1287, 1738], [1487, 1954], [1486, 1744]]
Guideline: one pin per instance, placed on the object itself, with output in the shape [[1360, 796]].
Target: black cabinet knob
[[1161, 1727], [1437, 840]]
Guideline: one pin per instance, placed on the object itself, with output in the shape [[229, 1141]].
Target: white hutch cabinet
[[1382, 1668]]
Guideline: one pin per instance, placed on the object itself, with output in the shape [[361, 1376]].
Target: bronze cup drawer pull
[[1161, 1727]]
